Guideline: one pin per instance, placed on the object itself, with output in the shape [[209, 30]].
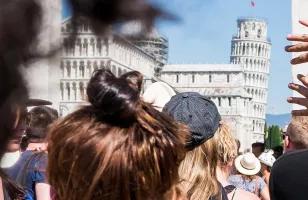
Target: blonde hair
[[298, 132], [198, 171], [226, 145]]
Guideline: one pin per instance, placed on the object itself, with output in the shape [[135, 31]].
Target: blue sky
[[203, 35]]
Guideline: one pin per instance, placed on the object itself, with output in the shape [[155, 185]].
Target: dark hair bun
[[114, 100], [134, 79]]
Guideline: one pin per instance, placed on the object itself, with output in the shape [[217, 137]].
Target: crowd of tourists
[[127, 143]]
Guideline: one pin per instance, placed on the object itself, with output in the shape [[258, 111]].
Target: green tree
[[273, 137], [266, 136], [276, 137]]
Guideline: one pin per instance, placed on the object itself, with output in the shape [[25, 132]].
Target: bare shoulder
[[242, 194]]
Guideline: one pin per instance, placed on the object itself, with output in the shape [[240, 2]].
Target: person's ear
[[287, 142]]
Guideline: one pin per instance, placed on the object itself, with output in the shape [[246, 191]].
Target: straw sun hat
[[247, 164]]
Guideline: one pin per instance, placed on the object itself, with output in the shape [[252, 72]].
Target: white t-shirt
[[9, 159]]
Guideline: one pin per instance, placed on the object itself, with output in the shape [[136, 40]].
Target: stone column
[[89, 69], [70, 92], [78, 97], [74, 89], [79, 69], [84, 91], [64, 91], [93, 45], [62, 67]]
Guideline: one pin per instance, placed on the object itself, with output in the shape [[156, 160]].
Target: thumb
[[304, 22]]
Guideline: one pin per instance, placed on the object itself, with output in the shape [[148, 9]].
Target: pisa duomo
[[239, 88]]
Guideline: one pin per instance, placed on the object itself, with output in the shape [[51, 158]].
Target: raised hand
[[302, 46], [303, 90]]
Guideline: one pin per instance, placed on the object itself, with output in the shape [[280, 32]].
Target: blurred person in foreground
[[225, 147], [30, 169], [289, 177], [248, 166], [198, 169], [20, 24], [267, 160], [296, 136], [117, 147]]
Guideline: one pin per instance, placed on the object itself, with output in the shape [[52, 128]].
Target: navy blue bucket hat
[[199, 113]]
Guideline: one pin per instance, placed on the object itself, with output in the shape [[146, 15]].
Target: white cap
[[158, 94], [267, 158]]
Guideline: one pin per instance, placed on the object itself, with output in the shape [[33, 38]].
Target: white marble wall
[[89, 53], [203, 79]]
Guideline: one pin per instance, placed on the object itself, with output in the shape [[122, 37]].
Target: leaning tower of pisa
[[251, 48]]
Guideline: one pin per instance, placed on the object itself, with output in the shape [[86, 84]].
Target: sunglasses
[[284, 135]]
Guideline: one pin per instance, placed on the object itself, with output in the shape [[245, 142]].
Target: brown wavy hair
[[119, 147]]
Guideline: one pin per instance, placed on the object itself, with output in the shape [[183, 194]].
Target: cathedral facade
[[89, 53]]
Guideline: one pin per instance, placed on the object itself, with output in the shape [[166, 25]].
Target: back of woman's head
[[117, 148], [198, 172], [226, 145]]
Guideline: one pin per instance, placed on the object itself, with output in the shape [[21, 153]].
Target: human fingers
[[300, 112], [298, 37], [300, 59], [297, 47], [298, 100], [299, 88], [303, 79]]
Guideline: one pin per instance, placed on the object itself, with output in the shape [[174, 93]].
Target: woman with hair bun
[[118, 147]]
